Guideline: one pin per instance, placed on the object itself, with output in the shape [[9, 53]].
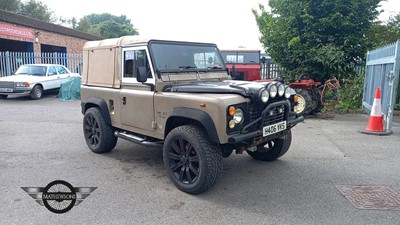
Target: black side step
[[138, 140]]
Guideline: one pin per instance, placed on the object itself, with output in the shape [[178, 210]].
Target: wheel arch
[[100, 103], [38, 84], [182, 116]]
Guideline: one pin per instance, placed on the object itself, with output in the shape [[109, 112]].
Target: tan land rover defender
[[179, 96]]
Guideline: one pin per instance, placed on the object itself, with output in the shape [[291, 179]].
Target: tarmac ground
[[328, 164]]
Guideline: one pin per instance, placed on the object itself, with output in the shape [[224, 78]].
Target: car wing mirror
[[141, 74], [233, 72]]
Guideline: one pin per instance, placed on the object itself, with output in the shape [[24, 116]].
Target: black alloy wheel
[[92, 131], [192, 161], [99, 135], [184, 161]]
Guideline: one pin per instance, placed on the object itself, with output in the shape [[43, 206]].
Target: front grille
[[255, 112], [6, 84], [275, 117]]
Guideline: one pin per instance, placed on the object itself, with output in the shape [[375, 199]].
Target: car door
[[51, 79], [137, 99], [62, 75]]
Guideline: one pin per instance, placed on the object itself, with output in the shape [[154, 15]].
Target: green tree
[[112, 29], [73, 22], [38, 10], [106, 25], [10, 5], [84, 24], [323, 38], [381, 33]]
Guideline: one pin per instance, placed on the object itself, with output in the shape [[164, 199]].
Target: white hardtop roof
[[122, 41], [41, 64]]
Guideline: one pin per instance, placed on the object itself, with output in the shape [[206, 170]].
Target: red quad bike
[[313, 96]]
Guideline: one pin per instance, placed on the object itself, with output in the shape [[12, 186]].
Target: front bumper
[[291, 118], [15, 91]]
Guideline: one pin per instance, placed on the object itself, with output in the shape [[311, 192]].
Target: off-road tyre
[[37, 92], [192, 161], [304, 105], [99, 135], [276, 148], [3, 96], [316, 104]]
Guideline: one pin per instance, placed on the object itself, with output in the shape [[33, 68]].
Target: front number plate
[[6, 90], [274, 128]]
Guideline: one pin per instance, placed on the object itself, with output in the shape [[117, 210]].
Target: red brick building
[[23, 34]]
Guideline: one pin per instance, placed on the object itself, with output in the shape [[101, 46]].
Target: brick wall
[[73, 44]]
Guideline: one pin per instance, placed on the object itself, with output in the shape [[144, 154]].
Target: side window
[[61, 70], [231, 59], [52, 71], [133, 59]]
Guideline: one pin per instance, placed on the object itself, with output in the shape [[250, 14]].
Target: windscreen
[[186, 57], [32, 70]]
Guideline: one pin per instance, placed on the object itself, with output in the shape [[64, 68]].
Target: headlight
[[281, 90], [288, 92], [238, 116], [21, 84], [273, 90], [264, 96]]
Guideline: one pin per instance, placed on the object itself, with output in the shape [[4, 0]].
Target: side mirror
[[141, 74], [233, 72]]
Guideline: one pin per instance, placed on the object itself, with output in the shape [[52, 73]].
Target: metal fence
[[10, 61], [270, 70], [382, 70]]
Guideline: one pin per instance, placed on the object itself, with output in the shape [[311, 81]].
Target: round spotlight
[[288, 92], [264, 96], [281, 90], [273, 90]]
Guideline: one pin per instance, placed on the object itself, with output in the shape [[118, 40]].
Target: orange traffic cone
[[375, 123]]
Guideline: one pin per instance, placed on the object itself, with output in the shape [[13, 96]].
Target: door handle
[[124, 100]]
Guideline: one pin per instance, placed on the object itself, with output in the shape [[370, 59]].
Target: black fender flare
[[197, 115], [97, 102]]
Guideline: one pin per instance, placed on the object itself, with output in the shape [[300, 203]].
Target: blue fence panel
[[382, 70], [10, 61]]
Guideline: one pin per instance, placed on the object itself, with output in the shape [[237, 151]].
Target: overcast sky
[[227, 23]]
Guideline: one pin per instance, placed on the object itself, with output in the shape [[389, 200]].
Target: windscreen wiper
[[186, 68]]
